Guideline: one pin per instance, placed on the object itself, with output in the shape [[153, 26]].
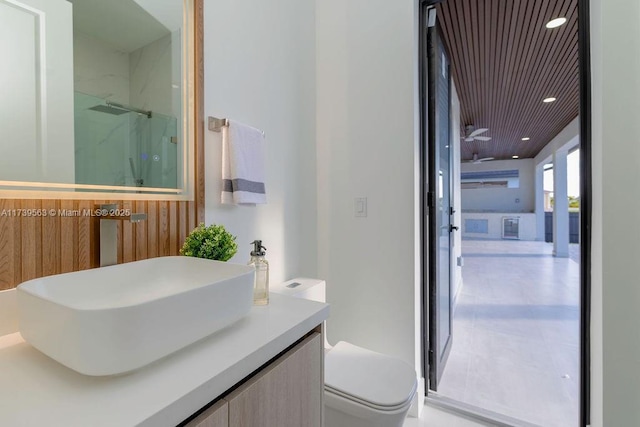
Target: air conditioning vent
[[490, 179], [473, 185]]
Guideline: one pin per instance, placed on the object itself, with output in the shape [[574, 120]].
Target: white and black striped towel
[[243, 158]]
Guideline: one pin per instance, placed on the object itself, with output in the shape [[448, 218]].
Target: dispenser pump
[[258, 249], [260, 264]]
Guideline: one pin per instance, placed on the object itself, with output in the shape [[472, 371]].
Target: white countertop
[[36, 390]]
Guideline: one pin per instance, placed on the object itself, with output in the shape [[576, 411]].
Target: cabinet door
[[215, 416], [287, 393]]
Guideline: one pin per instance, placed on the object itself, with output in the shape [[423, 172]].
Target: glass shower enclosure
[[120, 145]]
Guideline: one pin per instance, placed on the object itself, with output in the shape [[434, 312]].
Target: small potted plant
[[212, 242]]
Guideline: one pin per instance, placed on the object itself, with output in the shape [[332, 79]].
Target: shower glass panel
[[114, 146], [153, 151]]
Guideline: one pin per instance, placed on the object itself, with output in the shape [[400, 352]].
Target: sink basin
[[112, 320]]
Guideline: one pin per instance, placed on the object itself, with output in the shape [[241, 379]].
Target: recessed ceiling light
[[555, 23], [526, 138], [548, 100], [515, 157]]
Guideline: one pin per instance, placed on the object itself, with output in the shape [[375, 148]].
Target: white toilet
[[362, 388]]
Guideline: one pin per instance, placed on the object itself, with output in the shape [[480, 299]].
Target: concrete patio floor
[[516, 332]]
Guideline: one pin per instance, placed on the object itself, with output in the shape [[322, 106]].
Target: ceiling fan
[[477, 161], [472, 134]]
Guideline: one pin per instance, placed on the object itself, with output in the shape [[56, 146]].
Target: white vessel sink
[[112, 320]]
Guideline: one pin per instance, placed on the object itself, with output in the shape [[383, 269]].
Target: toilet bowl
[[363, 388]]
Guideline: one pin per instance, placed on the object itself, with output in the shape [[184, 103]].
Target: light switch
[[361, 206]]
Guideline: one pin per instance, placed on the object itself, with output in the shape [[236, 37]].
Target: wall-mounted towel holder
[[216, 124]]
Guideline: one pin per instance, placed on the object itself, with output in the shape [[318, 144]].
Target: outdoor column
[[560, 205], [539, 207]]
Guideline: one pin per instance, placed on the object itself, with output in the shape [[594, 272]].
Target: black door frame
[[584, 55], [584, 42], [437, 355], [423, 16]]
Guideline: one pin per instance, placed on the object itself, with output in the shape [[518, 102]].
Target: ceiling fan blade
[[483, 138], [468, 139], [477, 132], [485, 159]]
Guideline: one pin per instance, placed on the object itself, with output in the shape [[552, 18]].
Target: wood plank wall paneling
[[68, 239], [173, 229], [163, 230], [198, 204], [7, 248], [33, 246], [152, 230], [36, 246]]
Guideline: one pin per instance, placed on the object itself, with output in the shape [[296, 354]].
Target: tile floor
[[516, 329], [434, 417]]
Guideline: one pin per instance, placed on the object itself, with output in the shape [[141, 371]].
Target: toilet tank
[[302, 287], [305, 288]]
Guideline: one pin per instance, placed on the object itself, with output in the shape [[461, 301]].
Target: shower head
[[108, 109], [117, 109]]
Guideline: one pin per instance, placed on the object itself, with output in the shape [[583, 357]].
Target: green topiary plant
[[212, 242]]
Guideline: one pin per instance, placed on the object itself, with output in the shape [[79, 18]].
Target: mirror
[[97, 97]]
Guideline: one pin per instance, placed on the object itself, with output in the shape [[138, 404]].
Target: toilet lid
[[372, 378]]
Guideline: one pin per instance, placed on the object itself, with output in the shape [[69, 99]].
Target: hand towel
[[243, 159]]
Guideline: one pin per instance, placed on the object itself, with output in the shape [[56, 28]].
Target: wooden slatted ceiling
[[504, 63]]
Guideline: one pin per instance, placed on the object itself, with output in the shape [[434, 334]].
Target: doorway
[[443, 48], [439, 202]]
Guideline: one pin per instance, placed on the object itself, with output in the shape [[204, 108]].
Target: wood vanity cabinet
[[288, 392], [216, 415]]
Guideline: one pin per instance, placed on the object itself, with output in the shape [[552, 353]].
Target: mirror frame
[[193, 177]]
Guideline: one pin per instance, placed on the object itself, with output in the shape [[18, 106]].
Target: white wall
[[597, 292], [521, 199], [36, 105], [260, 70], [367, 147], [19, 154], [615, 61]]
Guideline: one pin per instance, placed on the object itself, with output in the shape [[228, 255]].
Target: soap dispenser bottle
[[261, 284]]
